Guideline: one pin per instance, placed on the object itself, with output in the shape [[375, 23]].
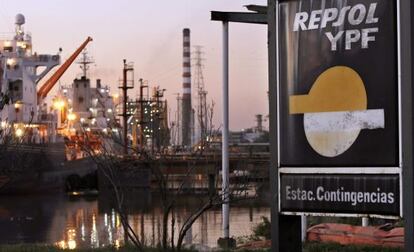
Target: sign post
[[343, 121], [339, 90]]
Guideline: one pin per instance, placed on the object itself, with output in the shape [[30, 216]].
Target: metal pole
[[405, 39], [304, 221], [273, 106], [365, 221], [124, 113], [225, 132], [141, 109]]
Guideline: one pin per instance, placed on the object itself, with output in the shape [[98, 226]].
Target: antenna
[[84, 62]]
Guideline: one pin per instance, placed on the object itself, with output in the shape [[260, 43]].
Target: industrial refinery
[[88, 136]]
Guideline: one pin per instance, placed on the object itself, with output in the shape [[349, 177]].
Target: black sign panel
[[365, 194], [338, 83]]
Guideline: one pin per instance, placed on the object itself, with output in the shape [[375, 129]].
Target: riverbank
[[50, 248], [308, 247]]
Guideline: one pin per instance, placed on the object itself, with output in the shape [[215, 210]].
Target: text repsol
[[354, 15]]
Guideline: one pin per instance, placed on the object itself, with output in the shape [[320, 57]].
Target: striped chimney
[[186, 100]]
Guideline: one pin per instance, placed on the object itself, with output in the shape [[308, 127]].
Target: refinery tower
[[186, 98]]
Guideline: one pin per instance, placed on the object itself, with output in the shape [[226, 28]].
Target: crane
[[50, 83]]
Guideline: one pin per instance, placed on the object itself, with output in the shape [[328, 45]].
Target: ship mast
[[84, 62]]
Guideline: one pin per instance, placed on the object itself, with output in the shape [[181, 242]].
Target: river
[[88, 222]]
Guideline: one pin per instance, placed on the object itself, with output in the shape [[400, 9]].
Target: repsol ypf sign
[[338, 105]]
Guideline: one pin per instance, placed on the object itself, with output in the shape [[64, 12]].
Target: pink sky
[[149, 33]]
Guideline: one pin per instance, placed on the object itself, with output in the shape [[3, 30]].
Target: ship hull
[[39, 169]]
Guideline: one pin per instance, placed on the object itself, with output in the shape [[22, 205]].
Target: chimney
[[186, 100]]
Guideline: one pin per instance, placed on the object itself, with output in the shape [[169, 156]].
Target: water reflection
[[82, 223]]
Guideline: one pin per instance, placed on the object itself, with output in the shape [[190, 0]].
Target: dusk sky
[[149, 33]]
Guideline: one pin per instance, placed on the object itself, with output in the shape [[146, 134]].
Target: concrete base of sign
[[226, 243]]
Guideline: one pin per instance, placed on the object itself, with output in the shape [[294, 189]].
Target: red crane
[[50, 83]]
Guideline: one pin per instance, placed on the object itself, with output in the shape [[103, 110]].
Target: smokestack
[[186, 100]]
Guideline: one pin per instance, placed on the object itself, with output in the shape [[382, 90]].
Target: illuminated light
[[109, 110], [105, 131], [71, 244], [107, 119], [3, 124], [82, 120], [61, 244], [118, 221], [21, 44], [88, 129], [71, 117], [7, 43], [59, 104], [19, 132], [117, 244], [10, 61], [17, 105], [115, 96], [114, 130]]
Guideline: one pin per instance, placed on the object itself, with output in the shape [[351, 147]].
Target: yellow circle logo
[[335, 111]]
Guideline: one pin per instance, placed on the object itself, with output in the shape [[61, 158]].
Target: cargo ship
[[35, 152]]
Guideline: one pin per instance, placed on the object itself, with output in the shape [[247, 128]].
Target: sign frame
[[394, 170]]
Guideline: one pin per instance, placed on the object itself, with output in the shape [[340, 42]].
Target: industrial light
[[59, 104], [109, 110], [19, 132], [10, 61], [7, 43], [71, 117], [17, 105], [21, 44]]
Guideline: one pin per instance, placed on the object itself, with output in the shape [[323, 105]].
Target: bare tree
[[104, 152]]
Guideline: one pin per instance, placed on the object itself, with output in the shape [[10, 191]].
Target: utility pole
[[201, 94], [125, 87], [178, 119], [142, 84]]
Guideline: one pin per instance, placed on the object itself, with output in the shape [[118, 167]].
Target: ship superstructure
[[88, 108], [20, 72]]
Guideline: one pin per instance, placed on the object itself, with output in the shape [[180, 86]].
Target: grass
[[50, 248], [308, 247]]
